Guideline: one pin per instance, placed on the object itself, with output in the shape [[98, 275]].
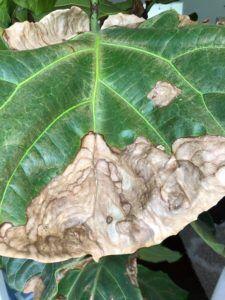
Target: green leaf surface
[[158, 286], [166, 20], [4, 13], [50, 275], [205, 228], [36, 6], [105, 7], [3, 45], [104, 280], [158, 254], [51, 97], [20, 14], [20, 271]]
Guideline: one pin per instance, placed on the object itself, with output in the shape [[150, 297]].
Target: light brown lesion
[[163, 93], [114, 202]]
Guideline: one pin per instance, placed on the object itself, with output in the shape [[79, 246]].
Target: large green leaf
[[205, 228], [37, 6], [107, 279], [158, 253], [158, 286], [105, 7], [51, 97]]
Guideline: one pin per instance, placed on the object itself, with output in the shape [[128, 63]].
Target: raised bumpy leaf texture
[[115, 202]]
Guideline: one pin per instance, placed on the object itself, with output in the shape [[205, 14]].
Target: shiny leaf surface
[[51, 97], [104, 280]]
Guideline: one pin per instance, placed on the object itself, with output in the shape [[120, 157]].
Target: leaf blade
[[158, 253], [158, 286]]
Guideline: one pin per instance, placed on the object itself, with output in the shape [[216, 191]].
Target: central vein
[[96, 79]]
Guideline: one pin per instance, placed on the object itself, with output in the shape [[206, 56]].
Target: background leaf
[[19, 271], [158, 253], [158, 286], [105, 7], [36, 6], [104, 280], [20, 14], [205, 228], [50, 275], [5, 10]]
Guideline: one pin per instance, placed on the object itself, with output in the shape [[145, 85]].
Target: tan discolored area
[[36, 286], [54, 28], [186, 21], [163, 93], [122, 20], [114, 202]]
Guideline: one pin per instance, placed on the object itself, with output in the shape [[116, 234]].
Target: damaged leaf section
[[36, 286], [56, 27], [122, 20], [163, 93], [186, 21], [111, 202]]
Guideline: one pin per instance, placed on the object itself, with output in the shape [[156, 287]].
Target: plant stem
[[94, 15]]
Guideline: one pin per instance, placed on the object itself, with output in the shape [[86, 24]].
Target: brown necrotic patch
[[114, 202], [163, 93]]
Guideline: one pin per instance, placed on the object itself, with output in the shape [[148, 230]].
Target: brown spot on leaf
[[109, 219], [122, 20], [163, 93], [36, 286], [185, 21]]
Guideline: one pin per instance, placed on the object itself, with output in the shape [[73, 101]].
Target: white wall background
[[205, 8]]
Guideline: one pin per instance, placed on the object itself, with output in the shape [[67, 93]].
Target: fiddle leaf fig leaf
[[158, 286], [105, 7], [115, 190], [158, 253], [107, 279]]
